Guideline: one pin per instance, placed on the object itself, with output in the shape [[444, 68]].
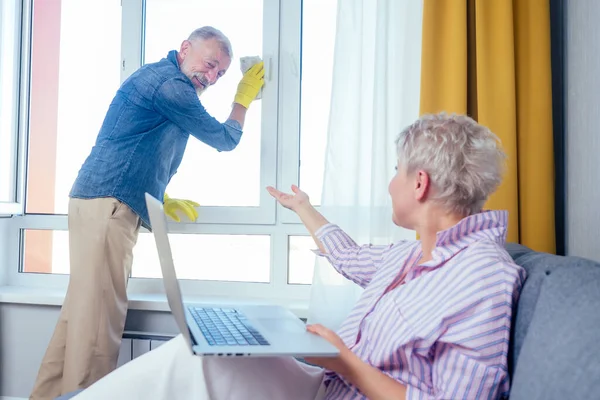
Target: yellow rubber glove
[[171, 206], [251, 83]]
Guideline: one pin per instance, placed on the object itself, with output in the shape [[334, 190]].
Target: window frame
[[280, 144], [290, 86], [277, 288], [290, 93], [132, 54], [16, 205]]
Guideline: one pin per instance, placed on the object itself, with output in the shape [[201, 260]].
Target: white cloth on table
[[172, 372]]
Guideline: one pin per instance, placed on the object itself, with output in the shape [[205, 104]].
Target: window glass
[[207, 176], [301, 260], [75, 58], [9, 51], [240, 258], [318, 39]]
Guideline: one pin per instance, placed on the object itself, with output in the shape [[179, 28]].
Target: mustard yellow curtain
[[490, 59]]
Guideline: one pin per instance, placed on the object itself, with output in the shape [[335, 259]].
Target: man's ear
[[185, 48], [422, 185]]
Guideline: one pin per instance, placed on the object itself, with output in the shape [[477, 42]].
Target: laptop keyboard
[[226, 327]]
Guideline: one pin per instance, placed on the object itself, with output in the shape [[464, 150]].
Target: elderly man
[[139, 148], [434, 319]]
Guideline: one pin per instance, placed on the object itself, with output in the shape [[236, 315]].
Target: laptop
[[224, 330]]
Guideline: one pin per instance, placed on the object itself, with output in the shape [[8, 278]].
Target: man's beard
[[192, 76], [203, 80]]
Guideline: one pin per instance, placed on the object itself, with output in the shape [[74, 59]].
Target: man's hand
[[251, 83], [187, 207]]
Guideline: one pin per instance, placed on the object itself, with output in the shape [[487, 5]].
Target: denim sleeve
[[177, 101]]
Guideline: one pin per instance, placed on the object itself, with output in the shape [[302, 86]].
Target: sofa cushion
[[555, 350]]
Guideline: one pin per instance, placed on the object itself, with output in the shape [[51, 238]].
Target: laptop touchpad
[[282, 325]]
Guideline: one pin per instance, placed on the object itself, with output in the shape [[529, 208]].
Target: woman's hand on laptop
[[337, 364], [371, 381]]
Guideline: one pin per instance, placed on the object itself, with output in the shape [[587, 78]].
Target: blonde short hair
[[464, 159]]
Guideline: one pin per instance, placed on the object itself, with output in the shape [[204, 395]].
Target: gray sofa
[[555, 343], [555, 340]]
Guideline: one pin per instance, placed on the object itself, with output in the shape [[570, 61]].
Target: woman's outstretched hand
[[298, 202], [291, 201]]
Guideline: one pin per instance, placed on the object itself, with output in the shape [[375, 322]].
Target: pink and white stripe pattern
[[444, 330]]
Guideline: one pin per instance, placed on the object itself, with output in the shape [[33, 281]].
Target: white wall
[[583, 128]]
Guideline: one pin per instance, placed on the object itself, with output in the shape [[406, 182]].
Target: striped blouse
[[442, 327]]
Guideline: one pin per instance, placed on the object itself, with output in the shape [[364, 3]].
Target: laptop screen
[[158, 220]]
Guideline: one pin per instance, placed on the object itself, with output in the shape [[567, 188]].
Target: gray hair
[[464, 159], [208, 32]]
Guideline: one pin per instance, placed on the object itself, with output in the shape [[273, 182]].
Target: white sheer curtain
[[375, 93]]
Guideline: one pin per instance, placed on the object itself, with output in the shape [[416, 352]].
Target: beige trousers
[[86, 341]]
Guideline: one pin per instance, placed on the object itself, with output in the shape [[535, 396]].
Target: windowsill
[[145, 302]]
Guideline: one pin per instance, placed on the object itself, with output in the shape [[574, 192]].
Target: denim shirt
[[144, 134]]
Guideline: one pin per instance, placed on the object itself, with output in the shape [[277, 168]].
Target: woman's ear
[[422, 185]]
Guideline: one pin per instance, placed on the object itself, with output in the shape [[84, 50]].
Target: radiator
[[134, 344]]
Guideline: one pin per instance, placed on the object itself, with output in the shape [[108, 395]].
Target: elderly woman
[[434, 319]]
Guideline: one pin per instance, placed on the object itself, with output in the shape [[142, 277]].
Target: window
[[74, 75], [301, 260], [235, 258], [231, 258], [166, 27], [318, 39], [9, 70], [307, 93], [241, 243]]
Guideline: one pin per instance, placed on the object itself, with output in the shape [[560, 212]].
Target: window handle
[[269, 68], [293, 63]]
